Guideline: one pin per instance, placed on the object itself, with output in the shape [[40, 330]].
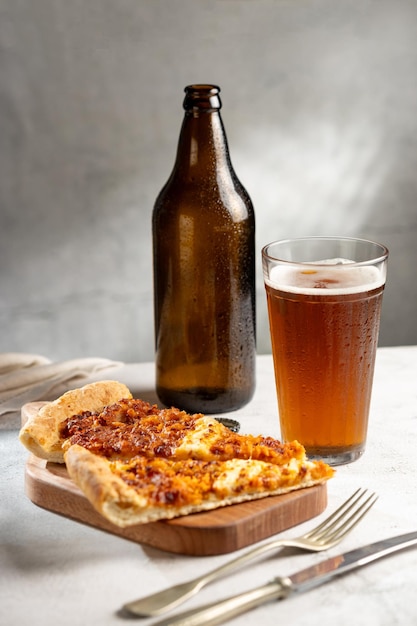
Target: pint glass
[[324, 298]]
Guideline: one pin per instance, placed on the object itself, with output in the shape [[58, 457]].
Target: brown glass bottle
[[204, 269]]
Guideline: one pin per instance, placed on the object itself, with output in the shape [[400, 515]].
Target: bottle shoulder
[[226, 208], [223, 187]]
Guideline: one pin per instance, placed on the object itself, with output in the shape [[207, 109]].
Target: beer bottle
[[204, 269]]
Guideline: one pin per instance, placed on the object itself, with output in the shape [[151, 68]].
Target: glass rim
[[372, 261]]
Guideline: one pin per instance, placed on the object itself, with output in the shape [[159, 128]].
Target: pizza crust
[[108, 494], [40, 435]]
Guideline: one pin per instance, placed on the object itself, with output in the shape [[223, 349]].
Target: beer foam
[[328, 277], [332, 262]]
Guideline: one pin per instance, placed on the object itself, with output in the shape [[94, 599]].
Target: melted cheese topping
[[170, 483], [191, 482]]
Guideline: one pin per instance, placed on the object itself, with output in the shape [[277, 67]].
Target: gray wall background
[[320, 107]]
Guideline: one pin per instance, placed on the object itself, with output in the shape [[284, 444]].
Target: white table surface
[[57, 571]]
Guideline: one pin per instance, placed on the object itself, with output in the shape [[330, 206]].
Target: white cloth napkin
[[30, 377]]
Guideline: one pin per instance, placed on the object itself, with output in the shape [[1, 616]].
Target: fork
[[328, 534]]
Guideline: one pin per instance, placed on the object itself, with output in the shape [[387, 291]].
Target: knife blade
[[281, 587]]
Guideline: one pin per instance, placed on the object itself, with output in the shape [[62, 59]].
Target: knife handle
[[218, 612]]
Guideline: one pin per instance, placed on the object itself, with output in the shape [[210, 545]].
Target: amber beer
[[324, 323]]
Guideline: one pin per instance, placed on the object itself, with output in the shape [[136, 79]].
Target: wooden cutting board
[[220, 531]]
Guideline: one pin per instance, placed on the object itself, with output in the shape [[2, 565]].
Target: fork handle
[[218, 612], [249, 555]]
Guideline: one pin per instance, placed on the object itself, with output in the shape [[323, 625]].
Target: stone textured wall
[[320, 107]]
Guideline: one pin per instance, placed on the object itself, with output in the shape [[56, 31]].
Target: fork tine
[[353, 520], [332, 524], [336, 515]]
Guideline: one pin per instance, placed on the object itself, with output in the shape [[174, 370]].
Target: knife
[[281, 587]]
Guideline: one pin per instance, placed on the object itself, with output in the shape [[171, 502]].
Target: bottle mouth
[[202, 97], [203, 89]]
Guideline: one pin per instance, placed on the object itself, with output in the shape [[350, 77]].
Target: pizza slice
[[131, 427], [142, 490], [104, 418]]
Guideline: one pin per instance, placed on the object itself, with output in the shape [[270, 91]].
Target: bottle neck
[[202, 142], [202, 145]]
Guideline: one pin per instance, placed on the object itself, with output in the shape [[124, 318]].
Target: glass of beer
[[324, 298]]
